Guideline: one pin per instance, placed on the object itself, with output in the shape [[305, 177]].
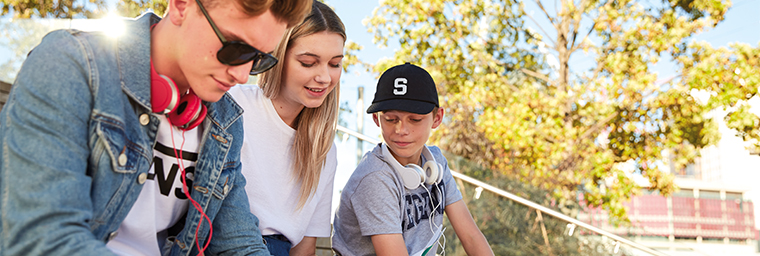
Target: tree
[[62, 9], [729, 74], [133, 8], [518, 103], [68, 9]]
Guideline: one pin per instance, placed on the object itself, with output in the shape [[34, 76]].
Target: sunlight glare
[[112, 25]]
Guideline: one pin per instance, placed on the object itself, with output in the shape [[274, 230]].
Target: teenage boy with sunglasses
[[91, 165]]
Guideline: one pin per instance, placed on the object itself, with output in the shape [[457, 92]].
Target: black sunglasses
[[238, 53]]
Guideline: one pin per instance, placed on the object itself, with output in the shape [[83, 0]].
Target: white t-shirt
[[162, 201], [273, 191]]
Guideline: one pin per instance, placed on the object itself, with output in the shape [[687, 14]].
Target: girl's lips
[[316, 91]]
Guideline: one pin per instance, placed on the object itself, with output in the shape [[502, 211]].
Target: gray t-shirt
[[375, 201]]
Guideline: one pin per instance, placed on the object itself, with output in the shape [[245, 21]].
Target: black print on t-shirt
[[419, 206], [166, 180]]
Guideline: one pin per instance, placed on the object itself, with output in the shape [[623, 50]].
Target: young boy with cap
[[393, 204]]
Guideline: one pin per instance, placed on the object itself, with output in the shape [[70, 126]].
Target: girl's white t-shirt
[[273, 191], [162, 201]]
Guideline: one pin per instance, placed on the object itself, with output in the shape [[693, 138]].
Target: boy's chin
[[406, 152], [211, 96]]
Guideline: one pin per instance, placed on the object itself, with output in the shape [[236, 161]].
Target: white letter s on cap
[[400, 85]]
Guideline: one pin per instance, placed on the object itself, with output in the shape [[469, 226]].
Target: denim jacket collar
[[134, 62], [134, 59]]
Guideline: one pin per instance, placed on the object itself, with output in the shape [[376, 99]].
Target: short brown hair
[[291, 11]]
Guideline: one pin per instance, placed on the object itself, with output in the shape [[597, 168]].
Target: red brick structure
[[696, 212]]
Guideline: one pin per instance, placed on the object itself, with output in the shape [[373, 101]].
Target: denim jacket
[[77, 137]]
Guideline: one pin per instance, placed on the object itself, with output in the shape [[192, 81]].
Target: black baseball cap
[[407, 88]]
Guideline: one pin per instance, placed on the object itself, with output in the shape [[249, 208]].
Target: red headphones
[[186, 112]]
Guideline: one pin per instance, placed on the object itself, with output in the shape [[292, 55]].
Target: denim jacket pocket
[[112, 140], [224, 186]]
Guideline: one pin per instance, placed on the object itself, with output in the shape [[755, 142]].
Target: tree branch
[[576, 24], [551, 20], [598, 125], [536, 75], [575, 47]]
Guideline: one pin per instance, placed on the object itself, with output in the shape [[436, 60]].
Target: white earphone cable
[[432, 213]]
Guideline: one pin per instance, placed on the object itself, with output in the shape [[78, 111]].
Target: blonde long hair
[[315, 127]]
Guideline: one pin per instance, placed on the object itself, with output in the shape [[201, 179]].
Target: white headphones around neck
[[413, 175]]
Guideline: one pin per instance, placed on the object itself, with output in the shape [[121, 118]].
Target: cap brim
[[412, 106]]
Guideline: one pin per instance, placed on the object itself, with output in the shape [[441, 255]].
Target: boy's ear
[[437, 117], [374, 118], [178, 10]]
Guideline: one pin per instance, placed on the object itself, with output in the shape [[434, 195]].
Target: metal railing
[[526, 202]]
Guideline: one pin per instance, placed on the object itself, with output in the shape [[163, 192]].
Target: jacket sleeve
[[44, 190], [239, 232]]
